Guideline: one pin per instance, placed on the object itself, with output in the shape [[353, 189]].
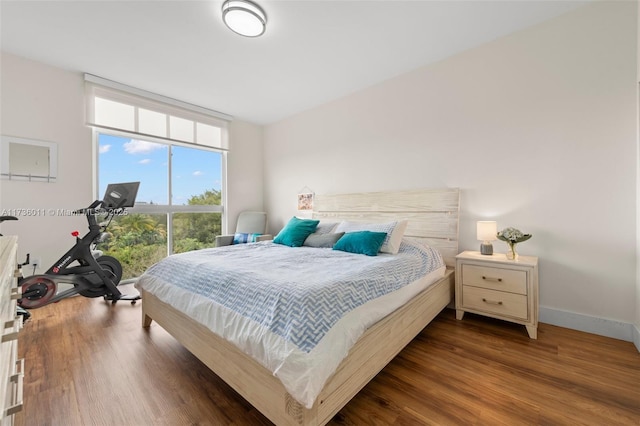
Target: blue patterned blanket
[[297, 293]]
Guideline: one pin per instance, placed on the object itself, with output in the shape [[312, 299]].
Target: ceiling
[[312, 52]]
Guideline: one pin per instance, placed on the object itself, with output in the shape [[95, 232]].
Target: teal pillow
[[361, 242], [296, 231]]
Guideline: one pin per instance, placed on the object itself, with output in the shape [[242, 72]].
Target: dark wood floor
[[90, 363]]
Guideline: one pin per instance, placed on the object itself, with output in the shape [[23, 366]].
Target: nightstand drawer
[[511, 280], [496, 302]]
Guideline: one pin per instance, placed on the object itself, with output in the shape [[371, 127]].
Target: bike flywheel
[[37, 291]]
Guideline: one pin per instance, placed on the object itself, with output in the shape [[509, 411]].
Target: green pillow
[[296, 231], [361, 242]]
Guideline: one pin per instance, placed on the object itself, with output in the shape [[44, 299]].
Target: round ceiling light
[[244, 17]]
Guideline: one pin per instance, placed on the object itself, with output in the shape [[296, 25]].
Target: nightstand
[[494, 286]]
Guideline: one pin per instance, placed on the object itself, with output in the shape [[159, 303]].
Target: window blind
[[115, 106]]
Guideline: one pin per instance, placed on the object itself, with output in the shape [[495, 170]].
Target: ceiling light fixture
[[244, 17]]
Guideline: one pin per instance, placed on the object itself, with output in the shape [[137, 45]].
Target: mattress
[[297, 311]]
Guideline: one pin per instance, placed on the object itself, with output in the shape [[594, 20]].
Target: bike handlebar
[[95, 204]]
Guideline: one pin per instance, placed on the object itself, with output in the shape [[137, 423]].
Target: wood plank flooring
[[91, 363]]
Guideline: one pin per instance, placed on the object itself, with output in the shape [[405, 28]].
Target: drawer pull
[[18, 379], [16, 293], [19, 367], [492, 279], [492, 302], [12, 328]]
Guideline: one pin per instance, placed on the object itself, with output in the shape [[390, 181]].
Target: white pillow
[[394, 230]]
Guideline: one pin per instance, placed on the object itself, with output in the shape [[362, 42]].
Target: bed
[[431, 218]]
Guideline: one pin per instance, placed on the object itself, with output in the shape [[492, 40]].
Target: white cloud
[[104, 149], [197, 173], [135, 146], [145, 161]]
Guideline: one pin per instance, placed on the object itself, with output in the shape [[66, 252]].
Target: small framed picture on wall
[[305, 201]]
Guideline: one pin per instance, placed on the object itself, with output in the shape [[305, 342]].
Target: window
[[177, 152], [114, 106], [179, 202]]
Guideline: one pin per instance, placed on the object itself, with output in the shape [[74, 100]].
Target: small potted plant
[[512, 236]]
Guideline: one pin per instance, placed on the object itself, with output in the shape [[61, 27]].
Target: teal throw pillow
[[361, 242], [296, 231]]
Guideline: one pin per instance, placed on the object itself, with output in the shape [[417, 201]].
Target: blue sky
[[127, 160]]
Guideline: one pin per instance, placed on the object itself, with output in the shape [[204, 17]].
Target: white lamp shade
[[244, 17], [487, 230]]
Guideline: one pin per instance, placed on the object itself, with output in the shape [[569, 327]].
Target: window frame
[[168, 209]]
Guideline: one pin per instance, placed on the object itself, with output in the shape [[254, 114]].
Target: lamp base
[[486, 248]]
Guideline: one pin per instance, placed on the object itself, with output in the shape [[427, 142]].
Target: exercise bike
[[90, 273]]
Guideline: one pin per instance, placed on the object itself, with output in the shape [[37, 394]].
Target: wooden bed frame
[[433, 217]]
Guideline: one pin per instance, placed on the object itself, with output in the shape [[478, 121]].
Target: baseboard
[[601, 326]]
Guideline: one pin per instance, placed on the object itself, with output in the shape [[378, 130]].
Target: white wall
[[46, 103], [244, 171], [636, 332], [538, 130]]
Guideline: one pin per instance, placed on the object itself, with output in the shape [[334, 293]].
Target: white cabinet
[[495, 286], [11, 368]]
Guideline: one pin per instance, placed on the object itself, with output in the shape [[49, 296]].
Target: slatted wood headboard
[[432, 213]]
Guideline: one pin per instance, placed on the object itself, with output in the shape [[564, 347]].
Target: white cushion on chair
[[251, 223], [248, 223]]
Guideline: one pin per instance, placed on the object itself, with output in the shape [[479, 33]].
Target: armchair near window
[[251, 227]]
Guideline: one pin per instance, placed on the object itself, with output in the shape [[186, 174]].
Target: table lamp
[[486, 232]]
